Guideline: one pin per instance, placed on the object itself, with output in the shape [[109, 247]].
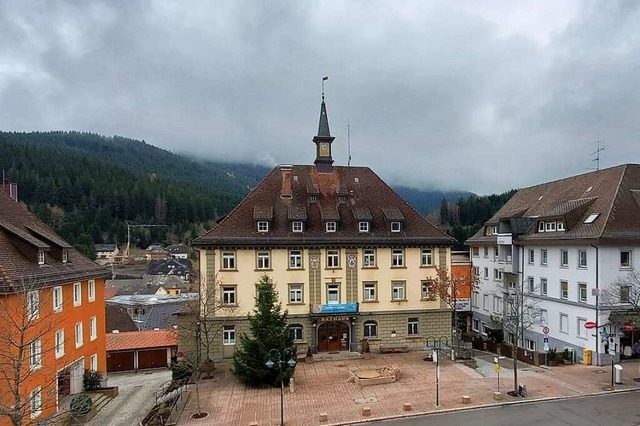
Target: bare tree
[[520, 313], [623, 295], [26, 359], [449, 289], [200, 327]]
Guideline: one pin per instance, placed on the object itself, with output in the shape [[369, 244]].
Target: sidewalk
[[322, 387]]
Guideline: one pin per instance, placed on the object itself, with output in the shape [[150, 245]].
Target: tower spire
[[323, 139]]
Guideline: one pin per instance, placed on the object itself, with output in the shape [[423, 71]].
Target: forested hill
[[86, 186]]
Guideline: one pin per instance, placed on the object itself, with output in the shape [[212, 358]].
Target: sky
[[483, 96]]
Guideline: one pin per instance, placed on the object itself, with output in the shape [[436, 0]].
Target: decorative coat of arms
[[351, 261], [315, 262]]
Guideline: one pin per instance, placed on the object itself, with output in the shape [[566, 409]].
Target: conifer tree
[[268, 330]]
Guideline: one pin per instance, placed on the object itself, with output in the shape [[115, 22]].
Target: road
[[615, 409]]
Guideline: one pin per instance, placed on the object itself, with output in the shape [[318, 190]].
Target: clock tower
[[324, 161]]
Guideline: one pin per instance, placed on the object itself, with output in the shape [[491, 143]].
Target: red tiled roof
[[339, 194], [141, 339], [22, 234]]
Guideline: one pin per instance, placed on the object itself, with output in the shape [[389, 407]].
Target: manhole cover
[[366, 400], [600, 371], [199, 415]]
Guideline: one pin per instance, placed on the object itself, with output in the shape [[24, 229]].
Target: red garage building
[[140, 350]]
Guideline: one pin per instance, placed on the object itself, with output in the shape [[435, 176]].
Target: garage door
[[119, 361], [152, 358]]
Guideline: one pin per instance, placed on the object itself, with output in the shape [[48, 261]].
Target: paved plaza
[[324, 387]]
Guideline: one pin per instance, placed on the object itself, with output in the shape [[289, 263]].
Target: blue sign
[[339, 308], [546, 339]]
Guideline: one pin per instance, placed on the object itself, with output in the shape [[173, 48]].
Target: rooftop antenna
[[349, 143], [597, 154]]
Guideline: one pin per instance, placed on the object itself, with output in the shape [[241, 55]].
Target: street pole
[[612, 385], [437, 376], [281, 360]]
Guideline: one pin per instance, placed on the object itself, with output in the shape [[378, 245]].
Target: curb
[[479, 407]]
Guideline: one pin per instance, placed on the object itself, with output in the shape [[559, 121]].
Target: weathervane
[[325, 78]]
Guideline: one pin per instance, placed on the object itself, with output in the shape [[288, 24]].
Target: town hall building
[[351, 260]]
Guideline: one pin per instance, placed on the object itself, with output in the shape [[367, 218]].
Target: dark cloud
[[480, 96]]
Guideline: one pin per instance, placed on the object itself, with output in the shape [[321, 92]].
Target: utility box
[[618, 374], [587, 356]]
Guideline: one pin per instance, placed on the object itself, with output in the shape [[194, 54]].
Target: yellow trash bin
[[586, 356]]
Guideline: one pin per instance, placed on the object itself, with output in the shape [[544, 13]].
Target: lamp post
[[436, 345], [281, 361]]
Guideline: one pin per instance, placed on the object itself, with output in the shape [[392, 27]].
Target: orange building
[[53, 323], [461, 268]]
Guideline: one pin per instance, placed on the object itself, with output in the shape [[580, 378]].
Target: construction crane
[[133, 225]]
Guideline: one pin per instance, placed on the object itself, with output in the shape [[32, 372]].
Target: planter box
[[111, 392]]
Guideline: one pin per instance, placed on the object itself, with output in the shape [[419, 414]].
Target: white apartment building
[[565, 244]]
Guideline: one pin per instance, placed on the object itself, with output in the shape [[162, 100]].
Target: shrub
[[181, 370], [81, 405], [92, 380]]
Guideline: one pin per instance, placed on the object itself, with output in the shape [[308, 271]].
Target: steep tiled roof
[[117, 318], [22, 234], [345, 195], [141, 340], [611, 193]]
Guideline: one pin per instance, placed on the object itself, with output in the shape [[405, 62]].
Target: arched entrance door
[[333, 337]]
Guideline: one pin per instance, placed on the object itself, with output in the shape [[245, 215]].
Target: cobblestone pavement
[[323, 387], [135, 397]]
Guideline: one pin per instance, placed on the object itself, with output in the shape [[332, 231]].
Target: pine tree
[[268, 330]]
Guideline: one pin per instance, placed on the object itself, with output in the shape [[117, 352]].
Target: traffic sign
[[545, 330], [545, 339], [497, 368], [589, 325]]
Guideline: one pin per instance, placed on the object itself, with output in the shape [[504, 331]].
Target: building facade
[[53, 327], [351, 260], [566, 245]]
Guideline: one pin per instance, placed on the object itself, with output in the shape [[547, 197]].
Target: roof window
[[592, 217]]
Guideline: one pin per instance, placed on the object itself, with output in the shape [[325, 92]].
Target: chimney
[[286, 190], [10, 188]]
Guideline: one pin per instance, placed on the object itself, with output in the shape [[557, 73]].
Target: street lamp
[[281, 361], [436, 345]]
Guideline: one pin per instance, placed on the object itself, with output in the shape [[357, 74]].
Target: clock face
[[324, 149]]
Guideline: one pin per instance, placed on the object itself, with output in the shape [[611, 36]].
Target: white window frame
[[370, 329], [475, 299], [295, 259], [426, 257], [58, 301], [369, 258], [77, 294], [544, 286], [297, 226], [564, 321], [41, 257], [229, 295], [35, 402], [33, 305], [369, 291], [59, 343], [486, 273], [541, 226], [625, 294], [91, 290], [297, 331], [629, 263], [582, 259], [93, 362], [228, 260], [263, 260], [530, 345], [35, 354], [396, 226], [333, 259], [331, 226], [582, 291], [333, 289], [296, 293], [262, 226], [550, 226], [475, 325], [531, 286], [581, 331], [79, 333], [485, 302], [564, 258], [228, 335], [544, 257], [532, 257], [564, 294], [363, 226], [560, 226], [398, 291], [65, 256], [544, 316], [397, 258], [425, 289], [497, 304], [93, 328], [413, 326]]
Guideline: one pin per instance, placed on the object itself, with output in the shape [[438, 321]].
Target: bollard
[[324, 417], [253, 424], [366, 411], [466, 399], [407, 406], [497, 396], [292, 388]]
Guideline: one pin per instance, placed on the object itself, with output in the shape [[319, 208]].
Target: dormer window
[[363, 226], [549, 226], [40, 257], [263, 226], [396, 226], [65, 256], [332, 226], [297, 226], [495, 230], [541, 226], [560, 226]]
